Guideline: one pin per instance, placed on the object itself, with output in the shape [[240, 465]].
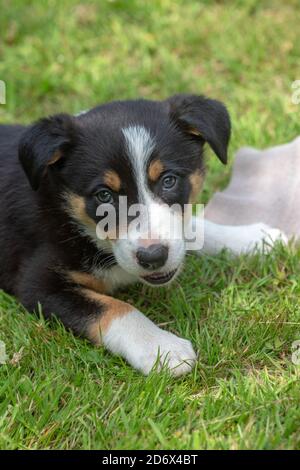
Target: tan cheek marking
[[196, 180], [155, 170], [113, 309], [78, 211], [89, 281], [112, 179]]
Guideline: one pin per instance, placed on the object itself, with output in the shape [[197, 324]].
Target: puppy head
[[121, 155]]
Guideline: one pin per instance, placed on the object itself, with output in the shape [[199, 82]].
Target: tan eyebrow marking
[[55, 157], [194, 131], [196, 181], [155, 170], [112, 179]]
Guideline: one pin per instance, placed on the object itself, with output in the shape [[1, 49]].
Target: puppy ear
[[43, 144], [206, 119]]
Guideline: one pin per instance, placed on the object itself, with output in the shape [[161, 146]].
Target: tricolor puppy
[[54, 176]]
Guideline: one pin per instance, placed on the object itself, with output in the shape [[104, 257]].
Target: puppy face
[[146, 153]]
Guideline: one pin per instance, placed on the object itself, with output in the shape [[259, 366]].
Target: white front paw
[[166, 350], [238, 239], [259, 237], [145, 346]]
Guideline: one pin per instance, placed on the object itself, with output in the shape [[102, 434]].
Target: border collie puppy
[[54, 176]]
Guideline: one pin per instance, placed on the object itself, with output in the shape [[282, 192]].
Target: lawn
[[242, 315]]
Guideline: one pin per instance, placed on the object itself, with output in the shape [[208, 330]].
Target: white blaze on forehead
[[140, 145]]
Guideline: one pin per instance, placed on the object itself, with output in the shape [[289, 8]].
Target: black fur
[[39, 241], [208, 117]]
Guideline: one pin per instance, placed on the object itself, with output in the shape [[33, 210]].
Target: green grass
[[242, 315]]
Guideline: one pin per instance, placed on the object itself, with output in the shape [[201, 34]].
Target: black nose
[[152, 257]]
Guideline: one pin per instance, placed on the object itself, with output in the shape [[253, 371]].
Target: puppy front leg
[[118, 326], [238, 239], [125, 331]]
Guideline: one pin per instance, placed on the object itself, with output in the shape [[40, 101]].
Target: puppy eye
[[104, 196], [169, 181]]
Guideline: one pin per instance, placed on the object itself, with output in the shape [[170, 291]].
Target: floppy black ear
[[204, 118], [43, 144]]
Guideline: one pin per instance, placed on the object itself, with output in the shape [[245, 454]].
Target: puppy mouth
[[159, 279]]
